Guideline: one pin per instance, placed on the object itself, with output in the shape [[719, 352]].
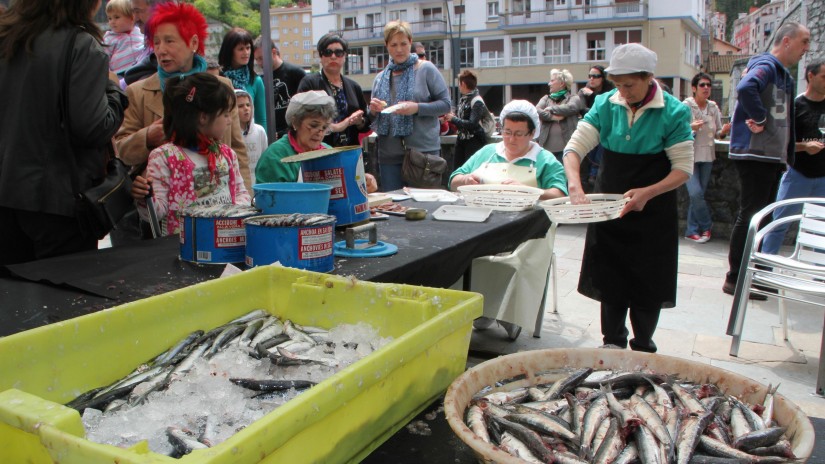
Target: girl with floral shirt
[[194, 168]]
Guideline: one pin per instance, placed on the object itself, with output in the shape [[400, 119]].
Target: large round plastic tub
[[800, 431], [292, 197]]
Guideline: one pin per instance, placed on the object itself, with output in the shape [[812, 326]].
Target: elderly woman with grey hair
[[309, 117], [559, 112]]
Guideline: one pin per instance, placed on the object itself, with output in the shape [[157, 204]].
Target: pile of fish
[[291, 220], [250, 365], [612, 417], [220, 210]]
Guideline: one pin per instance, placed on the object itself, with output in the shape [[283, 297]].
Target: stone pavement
[[694, 329]]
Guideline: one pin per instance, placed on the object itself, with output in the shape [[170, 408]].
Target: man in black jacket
[[285, 80]]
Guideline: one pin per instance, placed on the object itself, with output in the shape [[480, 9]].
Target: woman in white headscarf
[[630, 264], [517, 159], [513, 283]]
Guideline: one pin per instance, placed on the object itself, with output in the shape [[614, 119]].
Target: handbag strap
[[64, 105]]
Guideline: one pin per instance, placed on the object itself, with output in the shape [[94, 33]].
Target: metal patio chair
[[799, 277]]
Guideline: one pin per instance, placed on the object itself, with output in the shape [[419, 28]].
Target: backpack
[[488, 123]]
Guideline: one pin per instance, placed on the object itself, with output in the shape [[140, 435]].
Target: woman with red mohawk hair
[[178, 33]]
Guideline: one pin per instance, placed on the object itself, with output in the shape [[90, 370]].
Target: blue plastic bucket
[[291, 197], [301, 246], [343, 170], [214, 234]]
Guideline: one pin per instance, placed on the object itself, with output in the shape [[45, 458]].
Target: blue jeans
[[698, 214], [792, 185], [390, 177]]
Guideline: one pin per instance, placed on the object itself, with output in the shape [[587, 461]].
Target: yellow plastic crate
[[340, 420]]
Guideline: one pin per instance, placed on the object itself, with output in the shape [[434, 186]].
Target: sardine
[[568, 383], [182, 442], [250, 316], [717, 448], [271, 385], [652, 421], [595, 414], [544, 424], [629, 454], [688, 400], [517, 448], [647, 446], [754, 420], [287, 358], [167, 356], [689, 434], [512, 396], [223, 338], [249, 331], [627, 418], [611, 446], [476, 423], [527, 436], [739, 426], [295, 334], [759, 438], [272, 327], [767, 404]]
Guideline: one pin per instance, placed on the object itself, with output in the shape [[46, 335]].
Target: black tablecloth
[[431, 253]]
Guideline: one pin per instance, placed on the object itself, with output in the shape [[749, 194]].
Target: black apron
[[633, 260]]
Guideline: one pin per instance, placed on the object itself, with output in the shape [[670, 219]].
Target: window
[[431, 16], [297, 57], [623, 37], [557, 49], [586, 4], [397, 15], [524, 51], [458, 15], [307, 32], [274, 20], [561, 2], [492, 10], [373, 21], [306, 18], [296, 45], [355, 61], [595, 46], [492, 53], [435, 52], [295, 30], [521, 7], [626, 6], [467, 54], [350, 23], [377, 58], [285, 44], [307, 45], [286, 31], [295, 17], [307, 58]]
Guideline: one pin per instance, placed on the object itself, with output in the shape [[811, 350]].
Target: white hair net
[[524, 107], [308, 98]]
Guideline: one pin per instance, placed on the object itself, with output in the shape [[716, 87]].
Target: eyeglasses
[[338, 52], [509, 133], [421, 55], [595, 76], [704, 84], [325, 128]]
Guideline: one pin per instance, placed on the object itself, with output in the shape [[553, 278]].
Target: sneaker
[[696, 238], [705, 236], [730, 288], [610, 346]]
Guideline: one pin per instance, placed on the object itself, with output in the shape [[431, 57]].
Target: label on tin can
[[334, 177], [229, 233], [315, 242]]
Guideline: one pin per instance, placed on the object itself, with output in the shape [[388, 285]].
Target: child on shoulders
[[123, 40]]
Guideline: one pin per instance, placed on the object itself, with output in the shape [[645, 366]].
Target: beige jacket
[[146, 107]]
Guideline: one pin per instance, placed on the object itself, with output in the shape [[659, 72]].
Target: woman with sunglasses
[[597, 84], [415, 90], [707, 126], [349, 98]]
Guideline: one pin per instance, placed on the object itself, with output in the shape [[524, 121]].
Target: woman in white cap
[[630, 263], [517, 159], [309, 118]]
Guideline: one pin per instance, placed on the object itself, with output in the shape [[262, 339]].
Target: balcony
[[336, 5], [433, 27], [575, 13]]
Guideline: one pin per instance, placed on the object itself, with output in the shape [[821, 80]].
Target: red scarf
[[210, 148], [294, 143]]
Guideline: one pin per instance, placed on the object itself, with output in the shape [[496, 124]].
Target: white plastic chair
[[515, 285], [799, 277]]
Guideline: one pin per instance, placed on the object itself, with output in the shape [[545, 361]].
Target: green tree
[[236, 13]]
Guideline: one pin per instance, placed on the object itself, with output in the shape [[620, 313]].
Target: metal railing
[[574, 13], [351, 4], [436, 26]]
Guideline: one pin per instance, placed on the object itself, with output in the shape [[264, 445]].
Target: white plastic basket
[[602, 207], [501, 197]]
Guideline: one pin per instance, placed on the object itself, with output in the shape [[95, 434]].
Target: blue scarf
[[198, 65], [395, 124], [238, 76]]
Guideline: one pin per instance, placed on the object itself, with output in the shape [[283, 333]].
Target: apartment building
[[291, 30], [752, 31], [513, 44]]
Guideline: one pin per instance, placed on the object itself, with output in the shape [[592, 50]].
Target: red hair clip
[[191, 95]]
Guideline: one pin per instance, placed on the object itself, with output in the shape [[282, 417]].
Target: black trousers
[[643, 321], [464, 149], [28, 236], [758, 183]]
